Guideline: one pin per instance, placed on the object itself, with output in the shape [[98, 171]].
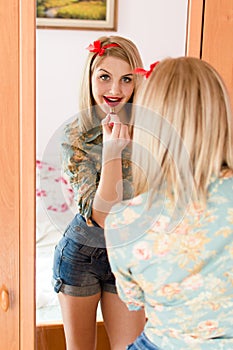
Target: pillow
[[54, 210], [55, 205]]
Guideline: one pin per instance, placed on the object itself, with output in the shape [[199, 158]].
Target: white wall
[[157, 27]]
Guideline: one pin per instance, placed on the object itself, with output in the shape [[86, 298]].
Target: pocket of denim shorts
[[73, 255], [58, 251]]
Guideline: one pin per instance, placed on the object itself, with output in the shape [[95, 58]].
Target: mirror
[[60, 59]]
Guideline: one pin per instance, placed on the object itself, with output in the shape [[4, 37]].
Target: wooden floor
[[51, 337]]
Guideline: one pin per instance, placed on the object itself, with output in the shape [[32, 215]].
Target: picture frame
[[102, 13]]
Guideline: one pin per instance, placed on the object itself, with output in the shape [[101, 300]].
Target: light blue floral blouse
[[181, 272]]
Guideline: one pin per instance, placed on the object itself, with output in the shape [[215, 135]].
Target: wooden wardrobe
[[17, 174], [209, 36]]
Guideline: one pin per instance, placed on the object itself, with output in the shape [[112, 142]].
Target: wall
[[159, 30]]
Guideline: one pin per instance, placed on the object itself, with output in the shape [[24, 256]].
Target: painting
[[76, 14]]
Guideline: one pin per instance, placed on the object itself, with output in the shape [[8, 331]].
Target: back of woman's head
[[189, 95]]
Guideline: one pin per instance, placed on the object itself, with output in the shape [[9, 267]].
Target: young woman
[[100, 177], [171, 247]]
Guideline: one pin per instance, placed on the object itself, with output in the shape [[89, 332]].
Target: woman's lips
[[112, 101]]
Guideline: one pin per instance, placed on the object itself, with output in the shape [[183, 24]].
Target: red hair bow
[[96, 47], [144, 72]]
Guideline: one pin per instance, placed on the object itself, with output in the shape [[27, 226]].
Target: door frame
[[194, 28], [27, 160]]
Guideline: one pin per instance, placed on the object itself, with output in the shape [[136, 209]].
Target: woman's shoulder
[[226, 173], [75, 134], [223, 183], [72, 129]]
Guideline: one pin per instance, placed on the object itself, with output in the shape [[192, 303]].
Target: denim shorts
[[80, 269], [142, 343]]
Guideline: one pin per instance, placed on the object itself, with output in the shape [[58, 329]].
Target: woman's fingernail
[[111, 125]]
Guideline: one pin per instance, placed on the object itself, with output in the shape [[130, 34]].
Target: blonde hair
[[185, 126], [127, 51]]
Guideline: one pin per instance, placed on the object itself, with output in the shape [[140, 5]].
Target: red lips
[[112, 101]]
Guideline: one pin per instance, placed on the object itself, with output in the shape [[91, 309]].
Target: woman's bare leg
[[79, 318], [123, 326]]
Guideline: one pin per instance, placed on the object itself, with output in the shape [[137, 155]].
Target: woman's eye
[[104, 77], [127, 79]]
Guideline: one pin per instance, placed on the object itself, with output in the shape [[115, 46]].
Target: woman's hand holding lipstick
[[113, 118], [115, 136]]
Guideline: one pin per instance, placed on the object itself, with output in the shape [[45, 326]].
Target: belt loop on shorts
[[93, 251], [87, 250], [98, 252]]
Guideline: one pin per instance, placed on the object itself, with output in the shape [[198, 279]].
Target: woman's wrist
[[110, 153]]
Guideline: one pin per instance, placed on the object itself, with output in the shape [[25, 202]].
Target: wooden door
[[17, 158], [210, 35], [9, 179], [217, 44]]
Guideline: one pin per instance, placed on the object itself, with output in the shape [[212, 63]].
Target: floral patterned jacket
[[82, 161], [182, 276]]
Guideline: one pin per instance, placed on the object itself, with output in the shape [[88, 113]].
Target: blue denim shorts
[[80, 269], [142, 343]]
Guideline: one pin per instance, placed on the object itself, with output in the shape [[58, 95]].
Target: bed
[[54, 209]]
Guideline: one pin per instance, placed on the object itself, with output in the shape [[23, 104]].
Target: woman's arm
[[95, 193], [83, 176], [110, 189]]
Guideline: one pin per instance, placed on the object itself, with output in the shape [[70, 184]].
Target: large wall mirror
[[159, 30]]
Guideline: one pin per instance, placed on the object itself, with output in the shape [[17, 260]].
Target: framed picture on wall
[[76, 14]]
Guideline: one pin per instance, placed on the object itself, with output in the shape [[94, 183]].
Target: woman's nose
[[115, 88]]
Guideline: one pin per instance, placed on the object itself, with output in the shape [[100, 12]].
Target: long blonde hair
[[183, 120], [127, 51]]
